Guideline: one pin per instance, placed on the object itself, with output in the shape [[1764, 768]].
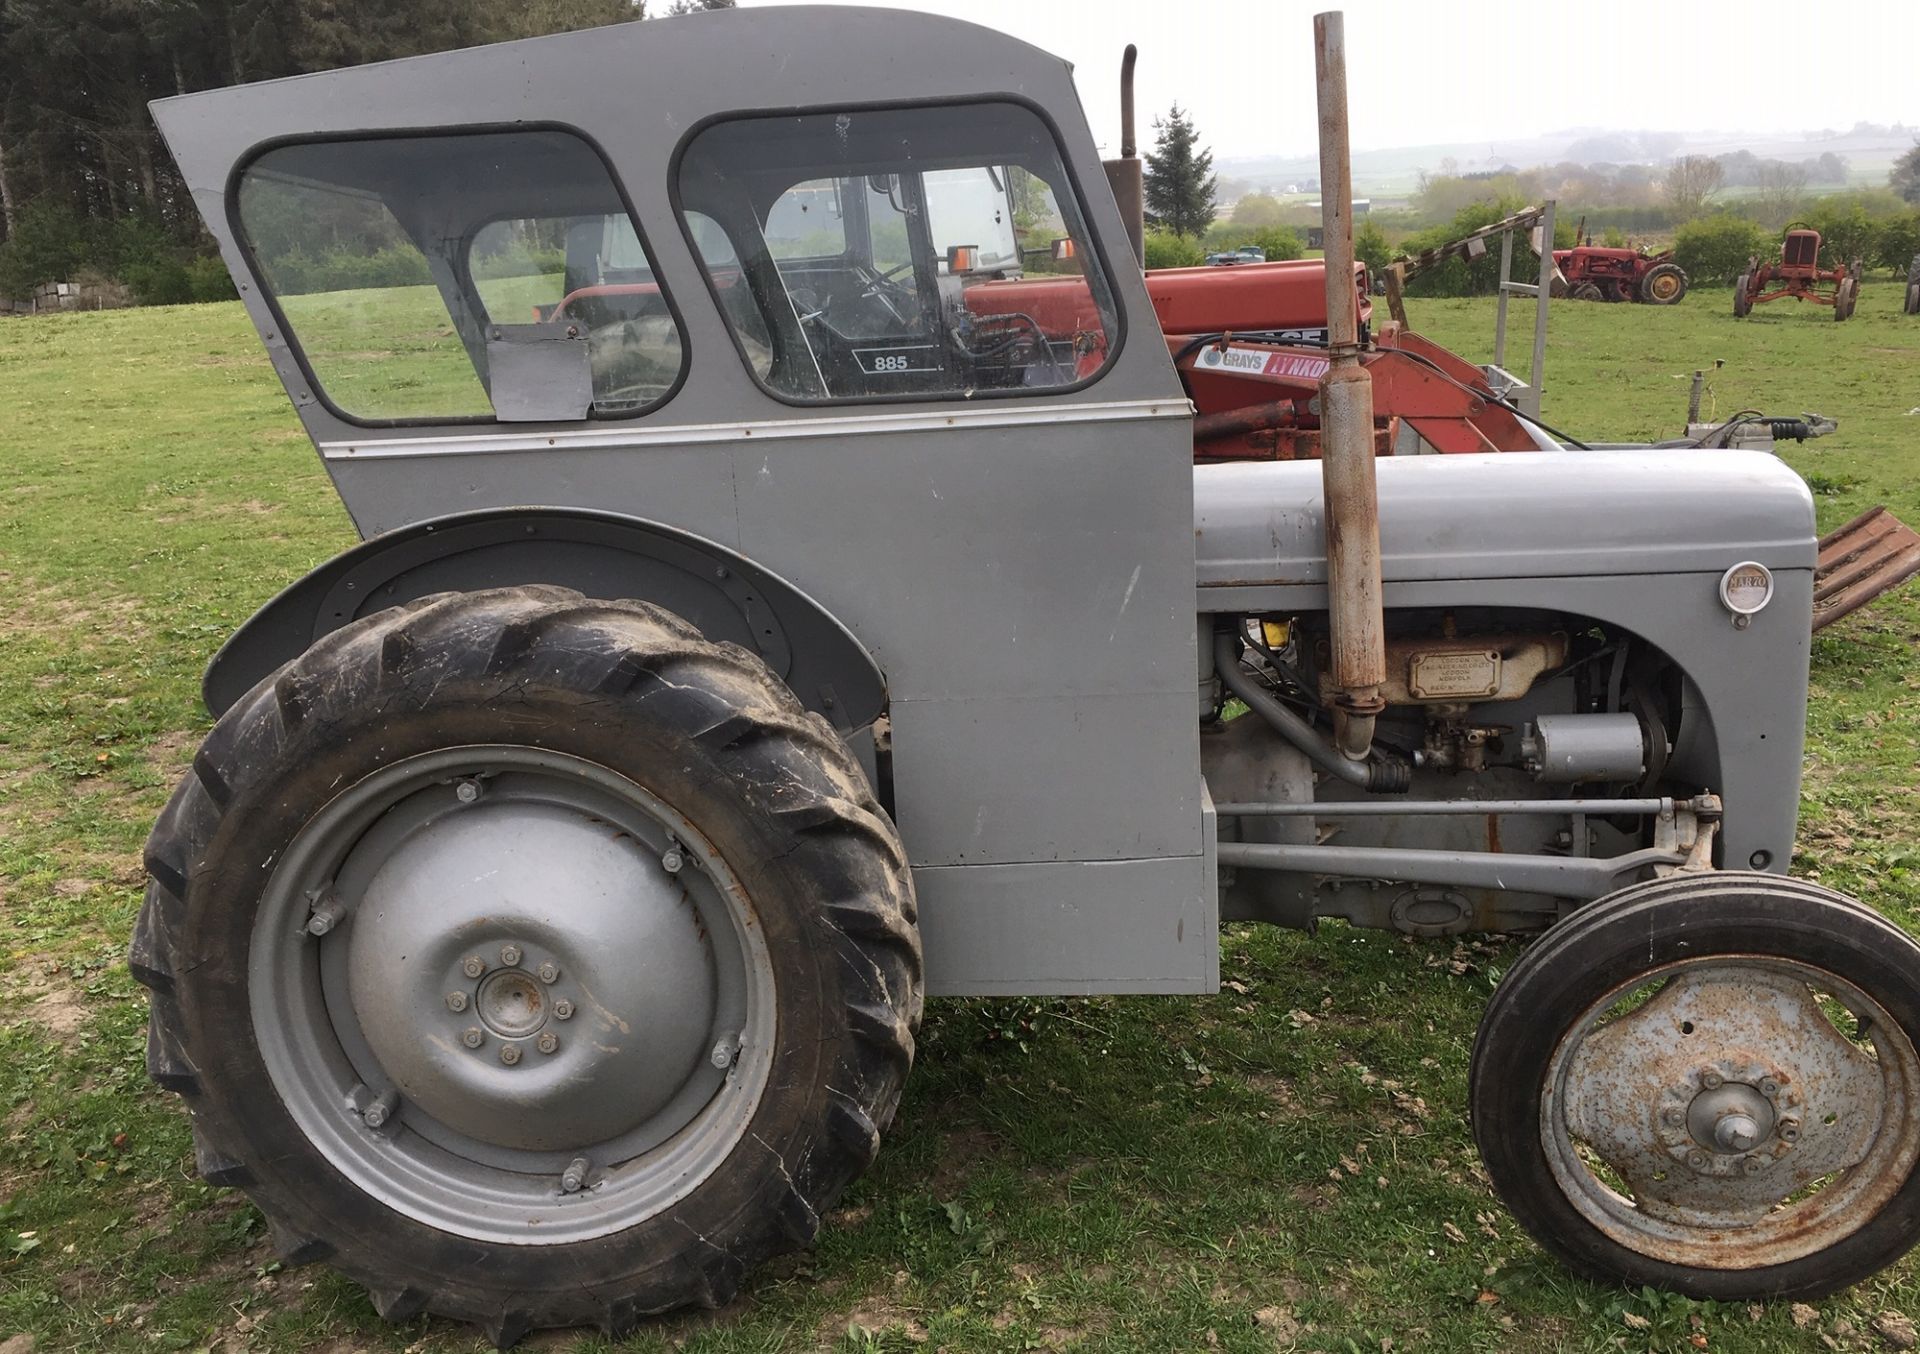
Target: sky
[[1433, 72]]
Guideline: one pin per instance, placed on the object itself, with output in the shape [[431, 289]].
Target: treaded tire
[[1742, 302], [1654, 279], [625, 685], [1609, 942]]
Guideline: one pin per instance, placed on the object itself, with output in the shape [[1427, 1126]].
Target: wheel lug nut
[[510, 955], [473, 966], [574, 1178], [563, 1009], [549, 972], [1769, 1087], [1789, 1130], [548, 1042], [1712, 1080], [456, 1001], [509, 1054], [376, 1114], [1753, 1165], [672, 860], [1672, 1116], [467, 791], [474, 1037], [1697, 1160]]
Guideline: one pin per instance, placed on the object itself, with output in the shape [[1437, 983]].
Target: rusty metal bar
[[1346, 421], [1873, 553], [1125, 175]]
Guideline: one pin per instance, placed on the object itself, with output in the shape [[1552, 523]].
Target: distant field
[[1283, 1166]]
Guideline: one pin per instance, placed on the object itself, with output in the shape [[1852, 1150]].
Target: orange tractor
[[1797, 273]]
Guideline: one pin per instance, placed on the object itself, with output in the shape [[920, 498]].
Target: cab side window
[[899, 253], [460, 277]]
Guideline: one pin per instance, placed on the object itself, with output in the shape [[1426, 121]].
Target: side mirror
[[1063, 250], [962, 259]]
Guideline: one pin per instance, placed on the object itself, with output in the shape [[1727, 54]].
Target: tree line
[[85, 181]]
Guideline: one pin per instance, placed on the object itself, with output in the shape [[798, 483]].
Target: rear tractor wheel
[[581, 977], [1663, 285], [1742, 295], [1710, 1084]]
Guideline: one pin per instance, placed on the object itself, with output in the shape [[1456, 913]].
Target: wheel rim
[[1664, 286], [1711, 1114], [539, 1009]]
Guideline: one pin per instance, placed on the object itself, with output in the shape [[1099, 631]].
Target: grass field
[[1283, 1166]]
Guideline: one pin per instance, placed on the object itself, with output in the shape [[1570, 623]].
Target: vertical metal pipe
[[1537, 376], [1346, 426], [1500, 310], [1124, 175]]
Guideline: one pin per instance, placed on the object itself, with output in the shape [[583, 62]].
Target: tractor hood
[[1511, 515]]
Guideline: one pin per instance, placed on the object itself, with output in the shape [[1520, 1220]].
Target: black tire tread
[[721, 695]]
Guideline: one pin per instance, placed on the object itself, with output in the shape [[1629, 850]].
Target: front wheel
[[1844, 298], [533, 959], [1709, 1084], [1913, 298], [1742, 296]]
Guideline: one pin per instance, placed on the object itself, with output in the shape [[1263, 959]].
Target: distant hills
[[1870, 150]]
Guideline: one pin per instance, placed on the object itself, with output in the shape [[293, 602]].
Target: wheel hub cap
[[537, 884]]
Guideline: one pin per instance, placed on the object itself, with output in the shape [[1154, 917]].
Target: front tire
[[1742, 296], [1709, 1084], [532, 959]]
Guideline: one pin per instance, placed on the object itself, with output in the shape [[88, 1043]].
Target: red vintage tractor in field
[[1797, 273], [1598, 273]]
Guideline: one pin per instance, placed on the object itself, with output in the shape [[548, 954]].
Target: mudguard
[[601, 554]]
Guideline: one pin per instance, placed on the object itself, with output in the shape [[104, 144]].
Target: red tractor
[[1596, 273], [1797, 273]]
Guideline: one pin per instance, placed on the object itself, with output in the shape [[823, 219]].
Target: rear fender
[[602, 554]]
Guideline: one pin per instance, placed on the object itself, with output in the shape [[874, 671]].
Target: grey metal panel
[[1017, 930], [1008, 561], [1514, 515], [1752, 683], [1098, 777], [691, 487]]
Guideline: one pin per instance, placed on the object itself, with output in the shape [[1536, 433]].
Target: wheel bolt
[[548, 1042], [510, 955], [563, 1009], [473, 966], [467, 791], [456, 1001], [376, 1114], [1697, 1160], [1753, 1165], [1672, 1116], [672, 860], [1789, 1130], [549, 972], [1769, 1087], [574, 1178], [509, 1054], [1712, 1080], [474, 1037]]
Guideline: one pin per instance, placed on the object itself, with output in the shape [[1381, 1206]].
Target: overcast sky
[[1430, 72]]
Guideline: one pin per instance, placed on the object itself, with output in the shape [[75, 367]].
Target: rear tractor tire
[[1710, 1084], [532, 959], [1742, 296], [1663, 285]]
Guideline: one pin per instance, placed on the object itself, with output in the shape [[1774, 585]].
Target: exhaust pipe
[[1346, 426], [1125, 175]]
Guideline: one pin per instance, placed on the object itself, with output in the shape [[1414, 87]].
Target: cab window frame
[[1094, 246], [291, 335]]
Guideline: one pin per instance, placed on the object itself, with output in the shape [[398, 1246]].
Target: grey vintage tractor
[[787, 592]]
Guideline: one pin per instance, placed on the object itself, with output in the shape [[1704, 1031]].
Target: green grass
[[1136, 1174]]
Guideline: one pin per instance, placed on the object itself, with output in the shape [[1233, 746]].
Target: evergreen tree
[[1180, 178]]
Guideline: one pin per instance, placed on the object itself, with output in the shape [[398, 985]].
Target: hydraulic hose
[[1381, 777]]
